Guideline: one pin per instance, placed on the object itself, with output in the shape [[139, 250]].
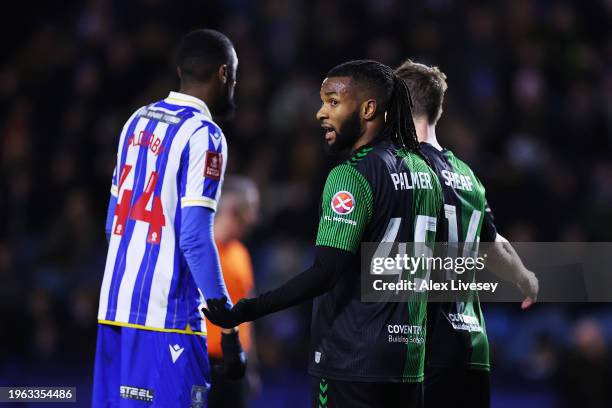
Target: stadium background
[[529, 107]]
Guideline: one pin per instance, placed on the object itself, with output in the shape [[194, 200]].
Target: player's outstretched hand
[[530, 287], [218, 312], [234, 363]]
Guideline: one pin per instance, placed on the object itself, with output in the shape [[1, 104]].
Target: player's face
[[226, 104], [339, 113]]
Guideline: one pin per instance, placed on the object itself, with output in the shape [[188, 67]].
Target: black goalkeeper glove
[[218, 312], [233, 365]]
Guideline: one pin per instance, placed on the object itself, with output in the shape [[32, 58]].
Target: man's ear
[[222, 73], [368, 109]]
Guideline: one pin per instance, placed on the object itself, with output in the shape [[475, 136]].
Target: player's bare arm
[[504, 262]]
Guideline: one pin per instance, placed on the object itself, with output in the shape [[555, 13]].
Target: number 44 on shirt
[[154, 217]]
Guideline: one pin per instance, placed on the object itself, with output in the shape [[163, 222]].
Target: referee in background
[[237, 213]]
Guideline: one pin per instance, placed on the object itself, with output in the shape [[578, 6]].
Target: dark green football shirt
[[456, 332], [380, 191]]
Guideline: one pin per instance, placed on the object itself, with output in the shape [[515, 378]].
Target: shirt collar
[[177, 98]]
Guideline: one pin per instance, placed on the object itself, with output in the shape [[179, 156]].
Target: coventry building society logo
[[140, 394], [343, 203]]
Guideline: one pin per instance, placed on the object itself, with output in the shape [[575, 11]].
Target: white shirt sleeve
[[204, 163]]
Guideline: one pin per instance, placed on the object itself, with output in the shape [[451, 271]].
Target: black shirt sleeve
[[314, 281]]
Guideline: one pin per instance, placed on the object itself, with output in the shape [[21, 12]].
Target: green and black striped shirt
[[456, 331], [379, 190]]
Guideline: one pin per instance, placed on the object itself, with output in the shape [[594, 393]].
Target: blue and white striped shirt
[[171, 155]]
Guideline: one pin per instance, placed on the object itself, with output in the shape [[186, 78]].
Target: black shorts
[[226, 393], [457, 388], [353, 394]]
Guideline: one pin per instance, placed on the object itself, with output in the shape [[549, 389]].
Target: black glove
[[329, 265], [218, 313], [233, 365]]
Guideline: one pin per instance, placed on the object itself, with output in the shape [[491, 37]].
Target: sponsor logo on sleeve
[[343, 203], [214, 164]]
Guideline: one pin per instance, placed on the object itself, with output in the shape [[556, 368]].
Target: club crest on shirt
[[343, 203], [198, 396], [214, 163]]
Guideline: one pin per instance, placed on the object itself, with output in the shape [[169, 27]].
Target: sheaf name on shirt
[[457, 181]]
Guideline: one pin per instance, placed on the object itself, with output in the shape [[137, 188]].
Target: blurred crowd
[[529, 107]]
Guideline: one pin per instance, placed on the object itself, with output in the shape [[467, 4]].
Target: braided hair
[[392, 95]]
